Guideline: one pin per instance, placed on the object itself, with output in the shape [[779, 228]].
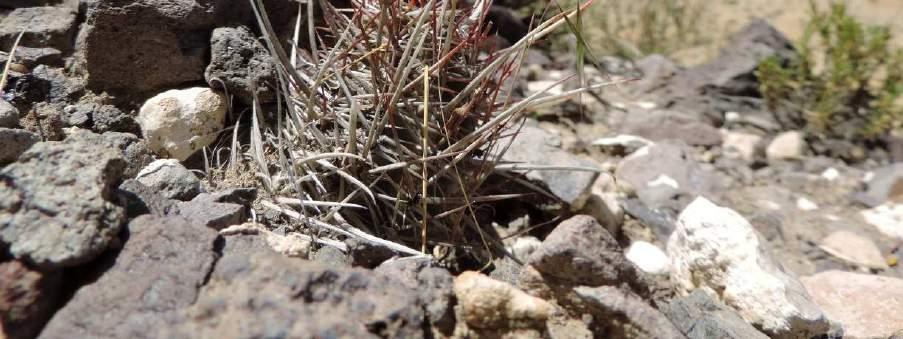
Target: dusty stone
[[786, 146], [491, 304], [56, 203], [535, 146], [27, 299], [715, 249], [15, 142], [140, 199], [177, 123], [868, 306], [699, 316], [215, 215], [660, 125], [621, 314], [170, 179], [241, 63], [291, 245], [133, 149], [885, 185], [434, 286], [45, 26], [664, 175], [853, 248], [159, 272], [622, 143], [741, 145], [582, 252], [34, 56], [266, 294], [9, 115]]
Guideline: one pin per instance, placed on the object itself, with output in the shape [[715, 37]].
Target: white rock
[[805, 204], [645, 104], [715, 249], [787, 145], [853, 248], [888, 218], [665, 180], [740, 145], [524, 246], [648, 257], [830, 174], [176, 123]]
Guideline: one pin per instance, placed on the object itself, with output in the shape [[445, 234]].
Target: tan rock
[[855, 249], [867, 305], [487, 303]]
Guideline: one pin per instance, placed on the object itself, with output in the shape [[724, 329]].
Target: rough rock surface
[[621, 314], [9, 115], [27, 299], [176, 123], [45, 26], [854, 249], [660, 125], [15, 142], [170, 179], [868, 306], [717, 250], [573, 187], [786, 146], [648, 257], [885, 185], [699, 316], [434, 286], [133, 149], [582, 252], [266, 294], [242, 64], [159, 271], [491, 304], [664, 173], [56, 203]]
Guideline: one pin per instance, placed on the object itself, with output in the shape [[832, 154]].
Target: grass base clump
[[391, 123], [845, 84]]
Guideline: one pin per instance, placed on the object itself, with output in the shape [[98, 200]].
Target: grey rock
[[26, 3], [367, 254], [269, 295], [700, 316], [433, 286], [665, 176], [660, 125], [44, 27], [215, 215], [582, 252], [47, 85], [27, 299], [656, 70], [117, 35], [236, 195], [245, 244], [332, 257], [9, 115], [15, 142], [33, 56], [242, 64], [171, 179], [617, 313], [132, 149], [660, 222], [886, 185], [157, 274], [535, 146], [100, 118], [140, 199], [56, 203]]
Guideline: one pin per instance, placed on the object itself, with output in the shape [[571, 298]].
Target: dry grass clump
[[391, 121]]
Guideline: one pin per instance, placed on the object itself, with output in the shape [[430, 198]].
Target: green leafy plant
[[846, 82]]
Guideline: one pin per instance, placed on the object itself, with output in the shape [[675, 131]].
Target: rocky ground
[[703, 219]]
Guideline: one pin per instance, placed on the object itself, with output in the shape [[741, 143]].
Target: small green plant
[[846, 82]]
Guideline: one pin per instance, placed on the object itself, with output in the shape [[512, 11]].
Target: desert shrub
[[392, 124], [845, 82]]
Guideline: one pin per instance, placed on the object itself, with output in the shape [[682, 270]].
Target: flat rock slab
[[44, 27], [853, 248], [56, 203], [622, 314], [700, 316], [158, 273], [664, 173], [867, 305]]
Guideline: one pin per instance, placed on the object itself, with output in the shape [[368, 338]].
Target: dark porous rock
[[44, 84], [366, 254], [660, 222], [699, 316], [15, 142], [9, 115], [171, 179], [241, 63], [618, 313], [133, 149], [215, 215], [332, 257], [100, 118], [57, 203], [168, 40], [45, 121], [581, 252], [886, 185], [158, 273], [269, 295], [27, 299], [433, 285], [140, 199], [237, 195], [27, 3], [44, 27]]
